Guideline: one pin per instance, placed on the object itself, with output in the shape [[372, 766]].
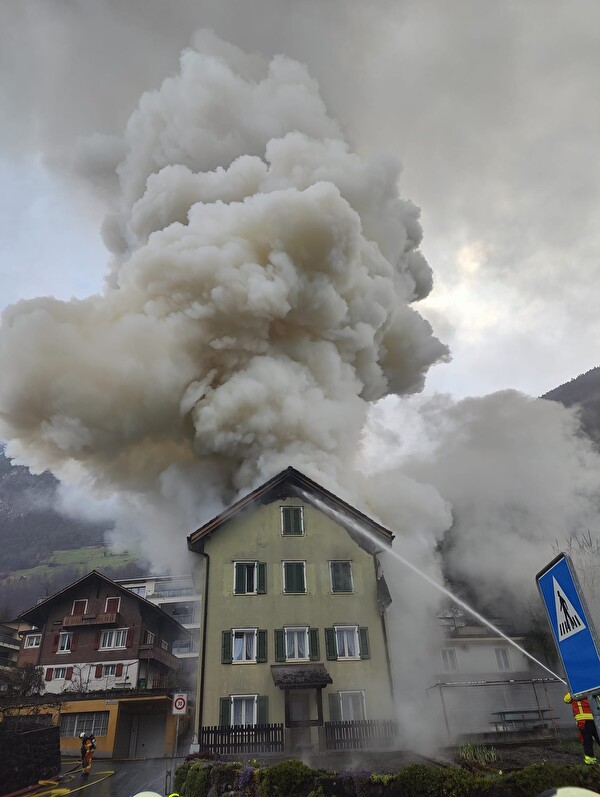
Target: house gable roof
[[292, 483], [37, 614]]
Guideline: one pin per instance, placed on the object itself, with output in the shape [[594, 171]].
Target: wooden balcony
[[159, 654], [104, 618]]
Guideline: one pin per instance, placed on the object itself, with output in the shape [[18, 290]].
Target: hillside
[[584, 390], [32, 530]]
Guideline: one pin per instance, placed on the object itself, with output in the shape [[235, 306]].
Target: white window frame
[[59, 674], [247, 563], [112, 598], [341, 562], [149, 637], [353, 693], [449, 659], [294, 562], [138, 590], [79, 600], [65, 638], [245, 698], [95, 722], [282, 510], [296, 630], [106, 670], [502, 659], [346, 629], [246, 632], [113, 632], [30, 641]]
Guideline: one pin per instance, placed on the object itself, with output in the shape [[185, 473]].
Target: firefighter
[[587, 727], [88, 745]]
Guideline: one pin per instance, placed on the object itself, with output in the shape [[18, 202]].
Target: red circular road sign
[[179, 703]]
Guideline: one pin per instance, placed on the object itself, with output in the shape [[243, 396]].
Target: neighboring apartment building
[[177, 596], [485, 684], [9, 644], [294, 614], [96, 639]]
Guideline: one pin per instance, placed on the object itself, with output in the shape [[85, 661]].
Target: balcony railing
[[173, 592], [104, 618], [9, 641], [156, 653]]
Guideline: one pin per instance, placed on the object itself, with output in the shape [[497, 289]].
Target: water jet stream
[[344, 520]]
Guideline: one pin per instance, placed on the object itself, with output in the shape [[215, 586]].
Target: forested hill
[[584, 390], [30, 528]]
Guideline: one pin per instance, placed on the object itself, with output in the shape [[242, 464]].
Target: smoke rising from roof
[[259, 299]]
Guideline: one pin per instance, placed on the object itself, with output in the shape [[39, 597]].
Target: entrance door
[[299, 705]]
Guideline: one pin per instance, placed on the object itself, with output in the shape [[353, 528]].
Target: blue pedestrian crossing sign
[[571, 625]]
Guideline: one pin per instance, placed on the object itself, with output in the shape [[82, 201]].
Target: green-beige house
[[294, 650]]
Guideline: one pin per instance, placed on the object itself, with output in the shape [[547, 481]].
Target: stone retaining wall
[[28, 756]]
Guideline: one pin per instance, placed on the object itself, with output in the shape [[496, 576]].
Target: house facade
[[485, 684], [293, 628], [108, 653]]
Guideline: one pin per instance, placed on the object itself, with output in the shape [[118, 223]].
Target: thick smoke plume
[[259, 298]]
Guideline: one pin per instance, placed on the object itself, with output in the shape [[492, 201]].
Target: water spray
[[344, 520]]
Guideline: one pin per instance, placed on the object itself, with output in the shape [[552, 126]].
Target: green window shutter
[[262, 710], [341, 579], [330, 647], [226, 647], [335, 715], [224, 711], [335, 577], [240, 578], [313, 644], [279, 644], [294, 577], [363, 643], [262, 578], [291, 520], [261, 645]]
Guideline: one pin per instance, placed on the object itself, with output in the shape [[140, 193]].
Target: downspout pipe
[[195, 745]]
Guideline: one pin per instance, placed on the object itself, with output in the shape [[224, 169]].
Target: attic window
[[292, 521]]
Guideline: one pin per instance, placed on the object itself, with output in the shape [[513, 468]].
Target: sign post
[[573, 631]]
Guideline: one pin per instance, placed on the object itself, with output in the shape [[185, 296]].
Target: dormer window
[[292, 521]]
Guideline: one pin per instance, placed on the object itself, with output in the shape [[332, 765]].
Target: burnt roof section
[[300, 676], [38, 613], [291, 483]]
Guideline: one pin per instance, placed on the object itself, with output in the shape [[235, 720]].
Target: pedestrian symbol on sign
[[567, 619]]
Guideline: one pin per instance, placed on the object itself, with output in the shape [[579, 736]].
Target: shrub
[[290, 778], [224, 776], [180, 776], [197, 783], [537, 778]]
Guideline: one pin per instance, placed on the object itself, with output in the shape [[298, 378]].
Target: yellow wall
[[256, 535]]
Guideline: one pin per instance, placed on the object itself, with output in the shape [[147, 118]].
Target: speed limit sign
[[179, 702]]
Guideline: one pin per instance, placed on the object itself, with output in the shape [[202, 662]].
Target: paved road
[[115, 778]]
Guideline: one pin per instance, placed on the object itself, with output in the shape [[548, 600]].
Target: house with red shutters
[[107, 653]]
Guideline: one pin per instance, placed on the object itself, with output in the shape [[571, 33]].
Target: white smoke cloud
[[259, 299], [516, 471]]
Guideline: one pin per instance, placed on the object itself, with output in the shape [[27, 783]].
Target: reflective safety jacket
[[581, 710]]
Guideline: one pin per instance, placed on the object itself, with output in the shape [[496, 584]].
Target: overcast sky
[[492, 108]]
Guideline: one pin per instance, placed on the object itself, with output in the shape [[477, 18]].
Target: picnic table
[[517, 719]]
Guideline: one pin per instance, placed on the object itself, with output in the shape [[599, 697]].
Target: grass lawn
[[84, 559]]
